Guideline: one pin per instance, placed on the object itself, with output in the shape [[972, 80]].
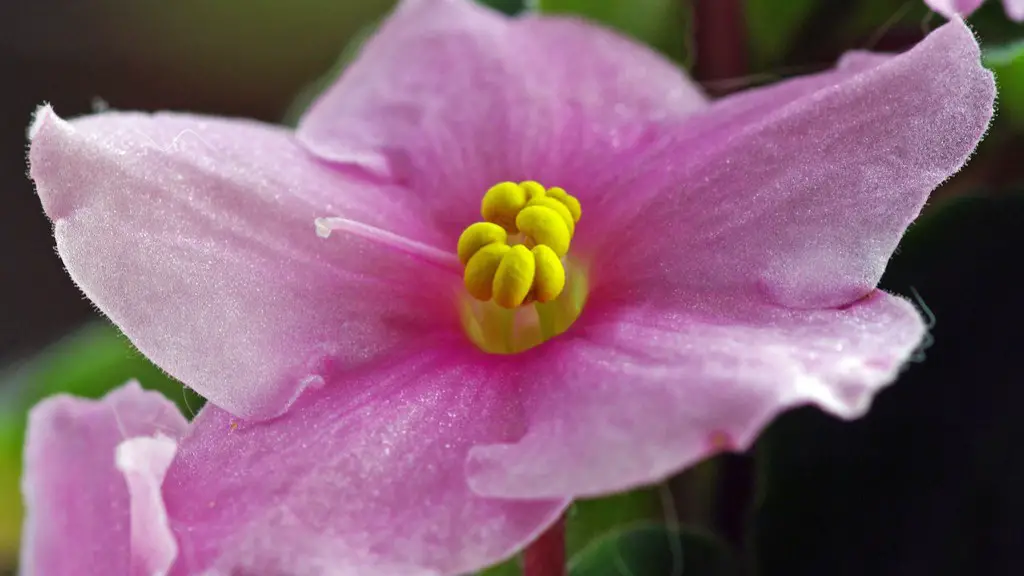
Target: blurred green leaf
[[662, 24], [88, 363], [1007, 62], [589, 520], [772, 25], [654, 550], [511, 567]]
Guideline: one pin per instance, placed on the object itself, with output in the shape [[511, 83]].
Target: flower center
[[517, 256]]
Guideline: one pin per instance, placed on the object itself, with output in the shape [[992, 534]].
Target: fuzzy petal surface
[[195, 236], [636, 395], [450, 98], [951, 8], [81, 513], [364, 478], [797, 194]]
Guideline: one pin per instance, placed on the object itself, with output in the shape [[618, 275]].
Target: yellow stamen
[[549, 279], [518, 274], [542, 225], [477, 236], [532, 189], [481, 269], [571, 203], [559, 208], [514, 277], [501, 204]]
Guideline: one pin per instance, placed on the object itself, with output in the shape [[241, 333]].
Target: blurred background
[[929, 483]]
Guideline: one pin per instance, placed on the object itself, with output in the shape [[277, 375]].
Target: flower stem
[[546, 555]]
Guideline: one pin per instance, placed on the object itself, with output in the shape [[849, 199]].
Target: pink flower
[[950, 8], [723, 270]]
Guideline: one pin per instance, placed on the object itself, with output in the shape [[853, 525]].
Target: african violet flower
[[949, 8], [370, 413]]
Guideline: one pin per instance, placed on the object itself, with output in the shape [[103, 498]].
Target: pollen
[[515, 256]]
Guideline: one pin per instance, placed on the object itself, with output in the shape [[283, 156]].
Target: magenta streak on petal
[[418, 250]]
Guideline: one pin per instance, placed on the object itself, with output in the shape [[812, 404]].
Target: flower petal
[[144, 462], [1014, 9], [78, 505], [451, 97], [638, 394], [951, 8], [195, 235], [366, 478], [802, 198]]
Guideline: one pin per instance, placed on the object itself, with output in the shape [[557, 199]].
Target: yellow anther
[[549, 278], [502, 203], [481, 270], [542, 225], [477, 236], [514, 277], [558, 207], [532, 190], [544, 219], [570, 202]]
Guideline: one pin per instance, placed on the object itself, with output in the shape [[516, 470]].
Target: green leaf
[[510, 567], [88, 363], [1007, 62], [588, 520], [662, 24], [772, 26], [591, 520], [654, 550]]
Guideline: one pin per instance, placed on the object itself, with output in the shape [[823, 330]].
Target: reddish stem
[[720, 35], [546, 555]]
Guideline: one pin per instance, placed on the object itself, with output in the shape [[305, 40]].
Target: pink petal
[[1014, 9], [78, 505], [451, 98], [363, 478], [195, 235], [144, 462], [799, 193], [638, 393], [951, 8]]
